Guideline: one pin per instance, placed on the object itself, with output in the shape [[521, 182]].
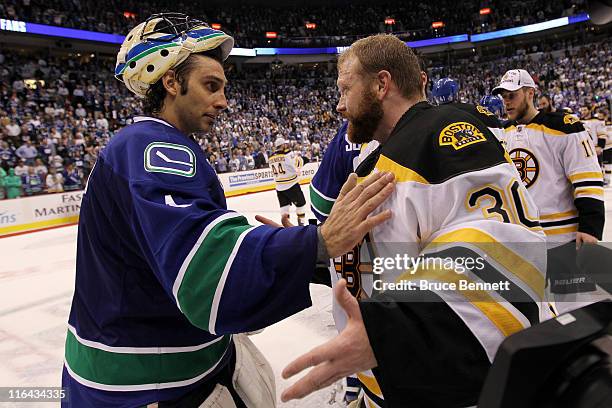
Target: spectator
[[56, 162], [21, 169], [101, 122], [27, 152], [13, 130], [12, 184], [241, 160], [40, 169], [221, 164], [72, 180], [2, 183], [80, 111], [54, 181], [32, 183], [7, 154], [250, 161], [234, 163]]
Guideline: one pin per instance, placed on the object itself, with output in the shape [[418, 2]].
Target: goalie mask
[[162, 42]]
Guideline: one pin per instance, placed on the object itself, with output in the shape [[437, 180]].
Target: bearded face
[[364, 122]]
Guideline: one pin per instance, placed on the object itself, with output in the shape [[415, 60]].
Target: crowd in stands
[[337, 23], [56, 114], [572, 77]]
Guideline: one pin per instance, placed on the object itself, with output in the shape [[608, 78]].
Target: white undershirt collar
[[145, 118]]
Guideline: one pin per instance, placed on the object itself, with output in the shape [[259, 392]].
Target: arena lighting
[[389, 21], [437, 24], [311, 26], [54, 31], [271, 34], [129, 14], [216, 26], [337, 50], [438, 41], [531, 28], [485, 11]]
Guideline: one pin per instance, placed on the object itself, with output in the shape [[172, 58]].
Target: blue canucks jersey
[[165, 273], [339, 161]]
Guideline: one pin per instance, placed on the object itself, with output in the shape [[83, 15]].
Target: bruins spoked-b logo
[[353, 265], [460, 135], [526, 164]]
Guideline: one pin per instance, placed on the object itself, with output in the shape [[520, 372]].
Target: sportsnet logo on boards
[[460, 135]]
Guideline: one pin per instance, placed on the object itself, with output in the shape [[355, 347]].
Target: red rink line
[[38, 230]]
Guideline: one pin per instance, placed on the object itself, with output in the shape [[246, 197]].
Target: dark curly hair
[[156, 94]]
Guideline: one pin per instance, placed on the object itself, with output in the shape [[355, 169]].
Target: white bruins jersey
[[597, 130], [286, 167], [457, 193], [556, 160]]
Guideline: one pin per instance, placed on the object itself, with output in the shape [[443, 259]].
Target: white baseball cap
[[279, 142], [513, 80]]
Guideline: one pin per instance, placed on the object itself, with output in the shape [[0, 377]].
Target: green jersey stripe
[[204, 272], [181, 274], [209, 36], [145, 370], [219, 291], [320, 203]]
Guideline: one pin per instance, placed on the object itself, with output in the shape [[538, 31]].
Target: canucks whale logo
[[170, 158]]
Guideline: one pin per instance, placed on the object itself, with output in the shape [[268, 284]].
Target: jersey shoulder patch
[[559, 122]]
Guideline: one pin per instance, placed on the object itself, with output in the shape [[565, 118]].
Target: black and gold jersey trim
[[552, 123], [438, 143]]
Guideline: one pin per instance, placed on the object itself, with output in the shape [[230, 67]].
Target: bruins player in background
[[557, 162], [597, 130], [457, 195], [286, 167]]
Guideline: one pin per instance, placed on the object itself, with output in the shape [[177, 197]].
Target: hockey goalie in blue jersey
[[166, 275]]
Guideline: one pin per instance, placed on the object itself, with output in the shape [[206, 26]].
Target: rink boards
[[55, 210]]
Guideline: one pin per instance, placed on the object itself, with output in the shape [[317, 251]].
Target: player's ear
[[424, 80], [171, 85], [383, 83]]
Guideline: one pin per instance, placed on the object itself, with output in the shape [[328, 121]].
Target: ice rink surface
[[36, 285]]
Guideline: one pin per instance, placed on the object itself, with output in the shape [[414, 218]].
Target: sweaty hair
[[387, 52], [154, 99]]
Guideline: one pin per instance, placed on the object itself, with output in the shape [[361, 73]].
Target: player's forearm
[[273, 282], [591, 216]]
